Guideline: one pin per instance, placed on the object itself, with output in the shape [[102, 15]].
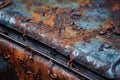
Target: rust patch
[[37, 69], [56, 24]]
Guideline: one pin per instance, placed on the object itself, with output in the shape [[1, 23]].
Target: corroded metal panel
[[29, 67], [88, 31]]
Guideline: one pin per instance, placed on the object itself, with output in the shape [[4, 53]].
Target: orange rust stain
[[116, 7], [35, 16], [60, 10], [27, 69], [49, 20], [70, 36], [68, 33], [87, 35], [83, 1], [106, 26]]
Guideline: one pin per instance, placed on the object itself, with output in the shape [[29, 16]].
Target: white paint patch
[[23, 24], [75, 53], [67, 46], [96, 62], [12, 20], [43, 36], [6, 18]]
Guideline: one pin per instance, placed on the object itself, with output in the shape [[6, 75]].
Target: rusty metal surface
[[43, 50], [28, 67], [87, 31]]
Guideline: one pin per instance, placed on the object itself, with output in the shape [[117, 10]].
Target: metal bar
[[17, 37]]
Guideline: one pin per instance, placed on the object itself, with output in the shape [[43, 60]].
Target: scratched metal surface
[[87, 31]]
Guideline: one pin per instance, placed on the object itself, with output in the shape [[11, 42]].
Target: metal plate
[[88, 31]]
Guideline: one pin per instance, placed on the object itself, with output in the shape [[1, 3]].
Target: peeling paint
[[95, 62], [87, 28]]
